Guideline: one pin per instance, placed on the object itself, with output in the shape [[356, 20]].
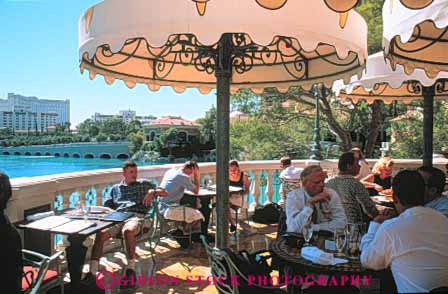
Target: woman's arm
[[368, 183]]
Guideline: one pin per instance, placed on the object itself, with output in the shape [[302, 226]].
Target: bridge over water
[[106, 150]]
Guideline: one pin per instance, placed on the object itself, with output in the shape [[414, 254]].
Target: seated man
[[174, 183], [435, 184], [414, 244], [355, 198], [129, 189], [290, 177], [313, 202]]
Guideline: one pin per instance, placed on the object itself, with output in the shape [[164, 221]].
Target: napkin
[[316, 255], [39, 215]]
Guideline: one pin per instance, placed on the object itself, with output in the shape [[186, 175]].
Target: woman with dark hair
[[11, 252], [364, 167], [240, 179]]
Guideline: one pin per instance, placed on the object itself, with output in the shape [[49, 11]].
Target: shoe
[[89, 280], [196, 237], [180, 238], [232, 228], [130, 279]]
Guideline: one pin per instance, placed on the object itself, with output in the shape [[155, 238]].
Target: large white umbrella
[[380, 82], [415, 35], [228, 45]]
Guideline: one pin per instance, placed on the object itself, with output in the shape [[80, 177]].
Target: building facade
[[31, 114], [187, 131], [125, 115]]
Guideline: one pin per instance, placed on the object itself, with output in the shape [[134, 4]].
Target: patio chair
[[148, 229], [167, 225], [224, 266], [236, 211], [38, 273], [440, 290]]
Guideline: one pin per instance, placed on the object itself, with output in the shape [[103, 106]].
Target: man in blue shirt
[[174, 183], [435, 184]]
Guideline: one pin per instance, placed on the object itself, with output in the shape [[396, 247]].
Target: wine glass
[[307, 232], [340, 240]]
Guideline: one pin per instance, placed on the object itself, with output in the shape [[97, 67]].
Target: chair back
[[290, 184], [219, 262], [281, 228], [41, 264]]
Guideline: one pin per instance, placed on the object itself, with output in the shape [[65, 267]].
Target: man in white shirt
[[290, 177], [414, 244], [314, 203]]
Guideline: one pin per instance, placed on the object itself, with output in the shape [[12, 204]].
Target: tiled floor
[[179, 270]]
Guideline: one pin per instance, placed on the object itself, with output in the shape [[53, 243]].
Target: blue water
[[30, 166]]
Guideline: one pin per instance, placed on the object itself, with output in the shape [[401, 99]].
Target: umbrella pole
[[223, 73], [428, 121], [315, 146]]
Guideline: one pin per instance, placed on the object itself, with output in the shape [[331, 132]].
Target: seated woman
[[364, 168], [240, 179], [380, 180]]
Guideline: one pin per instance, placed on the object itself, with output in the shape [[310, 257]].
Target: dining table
[[287, 250], [77, 228], [204, 198]]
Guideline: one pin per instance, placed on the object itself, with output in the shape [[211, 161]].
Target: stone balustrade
[[64, 190]]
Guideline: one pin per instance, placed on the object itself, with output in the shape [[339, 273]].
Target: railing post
[[270, 187], [255, 190]]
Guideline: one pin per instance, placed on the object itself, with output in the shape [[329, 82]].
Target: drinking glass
[[307, 234], [340, 240]]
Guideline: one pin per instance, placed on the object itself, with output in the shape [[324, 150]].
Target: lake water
[[29, 166]]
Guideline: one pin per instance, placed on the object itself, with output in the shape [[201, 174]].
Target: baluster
[[269, 187], [255, 190], [97, 190], [83, 194]]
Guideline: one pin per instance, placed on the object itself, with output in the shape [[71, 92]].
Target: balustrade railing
[[64, 190]]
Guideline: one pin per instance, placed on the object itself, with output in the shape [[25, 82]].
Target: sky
[[39, 57]]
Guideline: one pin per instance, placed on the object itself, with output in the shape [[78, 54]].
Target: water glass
[[307, 232], [340, 240]]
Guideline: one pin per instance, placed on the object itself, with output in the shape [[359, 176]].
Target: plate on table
[[383, 198], [99, 209]]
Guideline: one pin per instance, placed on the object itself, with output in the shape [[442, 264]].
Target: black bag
[[250, 265], [268, 214]]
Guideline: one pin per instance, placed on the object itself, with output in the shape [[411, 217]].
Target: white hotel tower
[[30, 114]]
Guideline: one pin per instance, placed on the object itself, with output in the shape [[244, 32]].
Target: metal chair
[[38, 277], [222, 267]]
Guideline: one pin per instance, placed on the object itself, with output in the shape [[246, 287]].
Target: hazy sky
[[39, 57]]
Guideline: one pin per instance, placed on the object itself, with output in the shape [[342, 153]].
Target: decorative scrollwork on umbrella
[[157, 63], [378, 89], [417, 36], [415, 88], [441, 87]]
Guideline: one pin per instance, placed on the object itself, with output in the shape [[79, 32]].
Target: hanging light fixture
[[272, 4], [201, 6], [342, 7]]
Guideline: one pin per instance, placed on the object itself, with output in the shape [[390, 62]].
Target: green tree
[[135, 141], [89, 128], [207, 125], [114, 126], [371, 10]]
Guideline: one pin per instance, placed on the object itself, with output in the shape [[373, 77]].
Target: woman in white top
[[364, 169]]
